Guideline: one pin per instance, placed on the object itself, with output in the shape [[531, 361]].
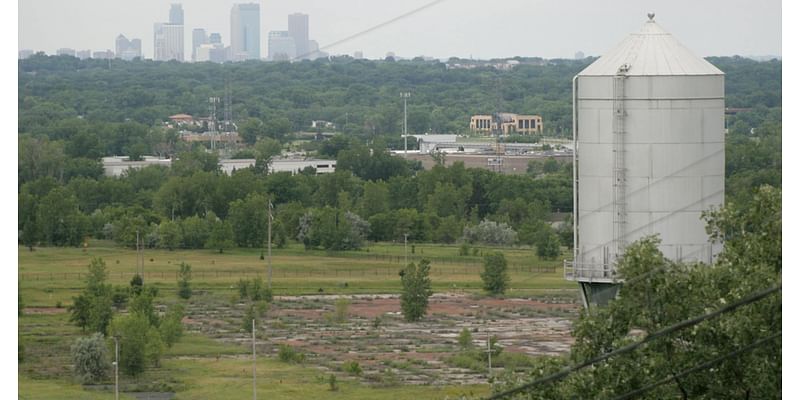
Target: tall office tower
[[358, 55], [176, 14], [298, 30], [65, 52], [198, 38], [167, 42], [281, 46], [25, 53], [215, 38], [121, 44], [245, 32], [128, 49], [84, 54], [135, 48]]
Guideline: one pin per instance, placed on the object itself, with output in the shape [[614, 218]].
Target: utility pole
[[489, 351], [405, 246], [116, 368], [254, 359], [269, 244], [405, 96]]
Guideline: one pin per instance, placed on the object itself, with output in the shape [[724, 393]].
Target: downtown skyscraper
[[168, 37], [298, 30], [245, 32]]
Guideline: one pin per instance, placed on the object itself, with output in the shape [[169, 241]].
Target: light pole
[[405, 246], [405, 96], [254, 359], [269, 244], [116, 368]]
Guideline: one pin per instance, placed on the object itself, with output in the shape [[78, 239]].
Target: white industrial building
[[117, 165], [649, 157]]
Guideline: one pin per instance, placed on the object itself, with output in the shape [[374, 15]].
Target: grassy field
[[201, 367], [52, 276], [197, 367]]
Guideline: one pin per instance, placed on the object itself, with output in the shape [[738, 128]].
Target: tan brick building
[[508, 123]]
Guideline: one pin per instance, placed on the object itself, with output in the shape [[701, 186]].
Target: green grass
[[59, 389], [228, 378], [200, 367], [50, 275]]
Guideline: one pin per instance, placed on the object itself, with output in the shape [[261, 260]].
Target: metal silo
[[648, 120]]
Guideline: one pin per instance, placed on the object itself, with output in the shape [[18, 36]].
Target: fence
[[276, 273]]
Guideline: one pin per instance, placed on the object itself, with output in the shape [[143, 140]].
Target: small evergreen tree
[[495, 275], [416, 290]]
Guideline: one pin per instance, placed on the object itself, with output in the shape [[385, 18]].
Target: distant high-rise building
[[198, 38], [358, 55], [314, 52], [579, 55], [281, 46], [245, 32], [103, 55], [167, 42], [298, 30], [128, 49], [215, 38], [211, 52], [25, 53], [65, 52], [176, 14], [85, 54]]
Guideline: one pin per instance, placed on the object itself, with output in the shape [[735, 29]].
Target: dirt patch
[[375, 335]]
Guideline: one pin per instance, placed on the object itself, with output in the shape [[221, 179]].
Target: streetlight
[[116, 368], [405, 96]]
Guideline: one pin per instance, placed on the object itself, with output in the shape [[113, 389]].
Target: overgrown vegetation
[[416, 290]]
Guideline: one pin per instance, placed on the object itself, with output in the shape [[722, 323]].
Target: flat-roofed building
[[507, 123]]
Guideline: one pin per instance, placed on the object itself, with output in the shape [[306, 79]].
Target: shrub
[[289, 354], [495, 275], [184, 276], [332, 385], [342, 307], [254, 290], [171, 328], [90, 358], [465, 339], [352, 368], [490, 232], [416, 290]]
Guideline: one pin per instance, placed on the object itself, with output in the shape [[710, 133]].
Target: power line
[[702, 366], [373, 28], [626, 349]]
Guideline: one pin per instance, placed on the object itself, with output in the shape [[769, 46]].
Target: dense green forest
[[73, 112]]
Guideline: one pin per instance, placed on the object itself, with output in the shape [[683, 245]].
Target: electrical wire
[[633, 346], [702, 366], [373, 28]]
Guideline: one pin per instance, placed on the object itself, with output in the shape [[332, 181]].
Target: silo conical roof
[[651, 51]]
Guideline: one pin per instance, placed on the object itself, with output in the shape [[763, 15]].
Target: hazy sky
[[462, 28]]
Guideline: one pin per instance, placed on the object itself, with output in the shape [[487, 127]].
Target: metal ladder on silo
[[619, 175]]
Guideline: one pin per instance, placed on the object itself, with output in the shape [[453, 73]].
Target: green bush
[[416, 290], [90, 358], [289, 354], [184, 278], [465, 339], [495, 275], [352, 368]]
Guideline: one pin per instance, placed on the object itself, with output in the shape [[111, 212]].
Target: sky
[[460, 28]]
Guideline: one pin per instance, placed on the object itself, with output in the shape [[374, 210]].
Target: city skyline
[[443, 30]]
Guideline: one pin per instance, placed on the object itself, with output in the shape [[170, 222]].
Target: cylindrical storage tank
[[649, 152]]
